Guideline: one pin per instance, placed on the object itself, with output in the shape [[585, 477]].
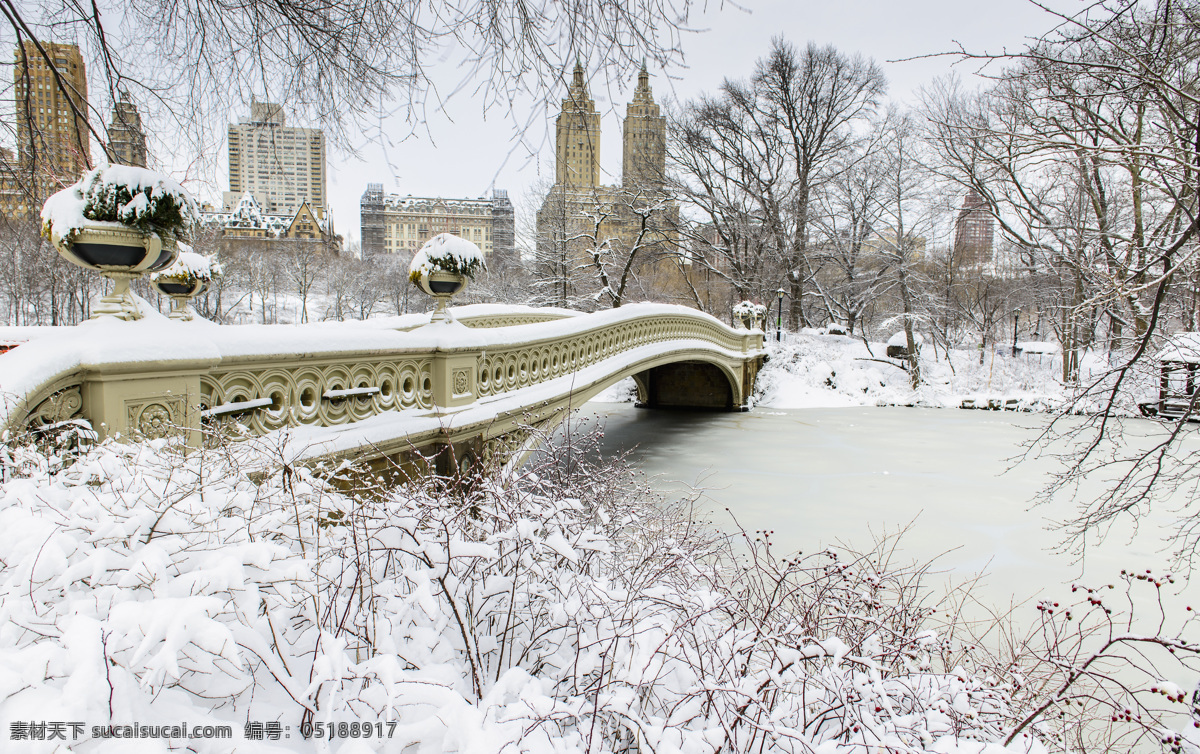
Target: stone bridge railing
[[375, 383]]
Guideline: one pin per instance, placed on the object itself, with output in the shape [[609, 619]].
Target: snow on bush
[[144, 584], [189, 267], [446, 252], [122, 195], [535, 611]]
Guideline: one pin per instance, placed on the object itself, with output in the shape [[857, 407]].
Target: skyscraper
[[974, 231], [52, 104], [645, 154], [126, 138], [577, 137], [281, 166]]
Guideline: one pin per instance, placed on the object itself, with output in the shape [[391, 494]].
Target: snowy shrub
[[189, 267], [129, 196], [555, 608], [44, 451], [446, 253]]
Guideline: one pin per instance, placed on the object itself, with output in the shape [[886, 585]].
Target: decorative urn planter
[[187, 278], [99, 248], [749, 315], [440, 283], [180, 293], [119, 254], [442, 268], [122, 222]]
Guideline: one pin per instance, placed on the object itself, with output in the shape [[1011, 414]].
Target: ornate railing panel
[[516, 367]]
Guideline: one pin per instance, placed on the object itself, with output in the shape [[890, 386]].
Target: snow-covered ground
[[810, 370]]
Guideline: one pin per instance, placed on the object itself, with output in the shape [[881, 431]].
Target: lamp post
[[1016, 317], [779, 318]]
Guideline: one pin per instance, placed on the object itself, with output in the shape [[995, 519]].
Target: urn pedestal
[[441, 286]]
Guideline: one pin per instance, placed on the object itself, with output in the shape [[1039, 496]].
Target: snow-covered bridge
[[371, 388]]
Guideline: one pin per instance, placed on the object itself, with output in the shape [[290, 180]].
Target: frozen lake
[[818, 477]]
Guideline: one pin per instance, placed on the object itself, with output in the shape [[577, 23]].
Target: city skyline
[[488, 152], [513, 148]]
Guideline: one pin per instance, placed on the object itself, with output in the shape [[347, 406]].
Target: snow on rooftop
[[900, 339], [1183, 346], [425, 203], [249, 215]]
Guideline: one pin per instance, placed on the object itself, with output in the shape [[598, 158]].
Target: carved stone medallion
[[462, 381]]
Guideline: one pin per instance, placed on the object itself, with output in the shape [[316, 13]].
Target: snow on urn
[[122, 222], [749, 314], [187, 278], [442, 268]]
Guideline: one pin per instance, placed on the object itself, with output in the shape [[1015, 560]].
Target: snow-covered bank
[[810, 370], [145, 586]]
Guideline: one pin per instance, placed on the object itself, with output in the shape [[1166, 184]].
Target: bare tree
[[263, 278], [813, 98], [906, 221], [1088, 151], [850, 274], [729, 181], [509, 283], [38, 286], [341, 65], [766, 147], [303, 262]]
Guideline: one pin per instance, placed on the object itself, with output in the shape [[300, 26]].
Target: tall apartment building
[[52, 104], [394, 224], [974, 231], [644, 156], [126, 138], [281, 166]]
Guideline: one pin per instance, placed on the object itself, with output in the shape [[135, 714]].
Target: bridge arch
[[686, 380]]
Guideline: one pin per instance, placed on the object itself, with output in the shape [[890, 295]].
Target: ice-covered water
[[818, 477]]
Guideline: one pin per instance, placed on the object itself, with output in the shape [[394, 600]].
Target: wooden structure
[[1178, 361]]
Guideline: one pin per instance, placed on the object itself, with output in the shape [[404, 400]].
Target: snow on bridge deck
[[384, 384]]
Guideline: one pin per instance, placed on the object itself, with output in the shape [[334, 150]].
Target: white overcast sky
[[464, 152]]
